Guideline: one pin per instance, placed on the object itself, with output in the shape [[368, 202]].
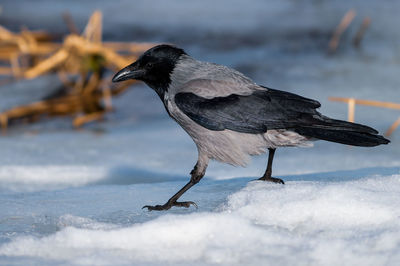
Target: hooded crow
[[229, 117]]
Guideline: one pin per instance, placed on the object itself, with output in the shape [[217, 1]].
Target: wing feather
[[258, 112], [254, 113]]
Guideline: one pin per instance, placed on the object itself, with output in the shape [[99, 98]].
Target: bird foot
[[272, 179], [168, 205]]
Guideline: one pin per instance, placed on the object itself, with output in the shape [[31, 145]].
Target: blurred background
[[315, 48], [285, 45]]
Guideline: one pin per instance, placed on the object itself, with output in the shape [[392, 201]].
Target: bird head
[[154, 67]]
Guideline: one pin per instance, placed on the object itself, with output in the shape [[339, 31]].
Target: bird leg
[[196, 176], [268, 171]]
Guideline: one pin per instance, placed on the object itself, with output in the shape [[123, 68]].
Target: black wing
[[256, 113]]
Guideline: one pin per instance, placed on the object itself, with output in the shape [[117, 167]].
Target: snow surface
[[74, 197], [302, 223]]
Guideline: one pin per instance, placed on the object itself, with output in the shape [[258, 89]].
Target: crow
[[230, 117]]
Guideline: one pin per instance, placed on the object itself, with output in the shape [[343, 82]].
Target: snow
[[303, 222], [74, 197]]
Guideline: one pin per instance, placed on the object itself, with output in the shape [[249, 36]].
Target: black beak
[[130, 72]]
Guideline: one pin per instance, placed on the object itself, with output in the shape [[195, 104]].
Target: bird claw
[[156, 207], [168, 206], [272, 179], [185, 204]]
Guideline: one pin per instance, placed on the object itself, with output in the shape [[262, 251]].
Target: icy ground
[[75, 198], [352, 222]]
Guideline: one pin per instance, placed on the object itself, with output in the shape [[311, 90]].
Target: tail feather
[[343, 132], [340, 124]]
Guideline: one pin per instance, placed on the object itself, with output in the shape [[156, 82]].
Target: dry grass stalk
[[83, 119], [70, 23], [393, 127], [361, 31], [80, 63], [343, 25], [389, 105], [93, 30], [351, 109], [46, 65]]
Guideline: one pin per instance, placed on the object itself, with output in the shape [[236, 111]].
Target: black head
[[153, 67]]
